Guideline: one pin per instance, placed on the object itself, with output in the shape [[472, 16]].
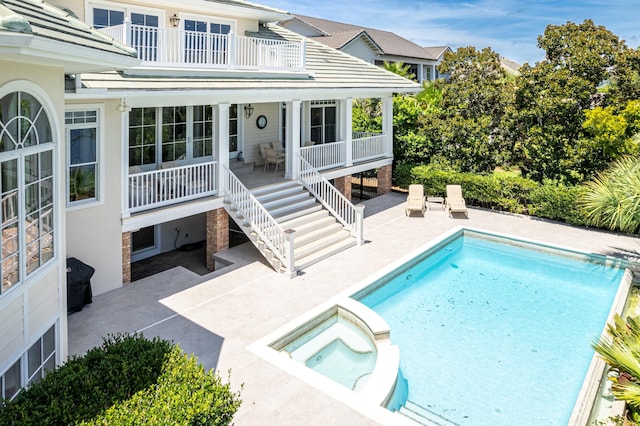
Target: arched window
[[26, 187]]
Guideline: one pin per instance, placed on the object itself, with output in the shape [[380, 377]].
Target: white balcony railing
[[338, 205], [367, 146], [163, 187], [170, 47], [324, 156]]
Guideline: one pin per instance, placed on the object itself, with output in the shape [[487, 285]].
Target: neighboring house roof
[[326, 69], [50, 32], [338, 34], [436, 52], [511, 67]]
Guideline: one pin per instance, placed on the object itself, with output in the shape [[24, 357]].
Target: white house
[[371, 45], [111, 153], [39, 44]]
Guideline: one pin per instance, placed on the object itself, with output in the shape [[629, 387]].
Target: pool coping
[[359, 401]]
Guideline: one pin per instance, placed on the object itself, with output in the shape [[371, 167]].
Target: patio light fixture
[[122, 106], [248, 111], [175, 21]]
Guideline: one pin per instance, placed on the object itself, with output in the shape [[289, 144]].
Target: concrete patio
[[218, 315]]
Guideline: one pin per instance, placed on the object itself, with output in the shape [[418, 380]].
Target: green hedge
[[127, 380], [513, 194]]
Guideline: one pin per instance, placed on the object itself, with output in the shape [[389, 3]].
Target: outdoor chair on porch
[[273, 157], [415, 200]]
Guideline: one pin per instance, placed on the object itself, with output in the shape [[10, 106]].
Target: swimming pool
[[491, 330], [435, 347]]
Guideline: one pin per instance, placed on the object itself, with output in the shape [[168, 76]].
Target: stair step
[[287, 201], [301, 221], [292, 212], [258, 192], [275, 195], [321, 243], [300, 240], [312, 225], [324, 253], [423, 416]]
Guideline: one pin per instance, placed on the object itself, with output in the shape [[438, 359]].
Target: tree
[[399, 68], [612, 199], [546, 121], [474, 98]]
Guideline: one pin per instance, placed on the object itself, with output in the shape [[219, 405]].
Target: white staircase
[[317, 236]]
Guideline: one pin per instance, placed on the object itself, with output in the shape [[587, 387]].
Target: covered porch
[[193, 161]]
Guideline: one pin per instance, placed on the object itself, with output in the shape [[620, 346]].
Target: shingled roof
[[326, 68], [37, 18], [339, 34]]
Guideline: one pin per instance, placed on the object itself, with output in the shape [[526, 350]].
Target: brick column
[[126, 257], [384, 180], [343, 184], [217, 234]]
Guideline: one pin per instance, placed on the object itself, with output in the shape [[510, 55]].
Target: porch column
[[217, 235], [384, 180], [387, 125], [347, 130], [292, 140], [221, 145], [343, 184], [126, 257]]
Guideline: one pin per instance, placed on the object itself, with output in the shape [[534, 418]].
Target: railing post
[[289, 235], [232, 50], [360, 224], [303, 56], [127, 33]]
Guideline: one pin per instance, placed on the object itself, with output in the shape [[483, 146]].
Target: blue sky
[[509, 27]]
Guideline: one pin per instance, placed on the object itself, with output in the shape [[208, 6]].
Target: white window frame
[[23, 359], [100, 153], [128, 9], [20, 154], [325, 104]]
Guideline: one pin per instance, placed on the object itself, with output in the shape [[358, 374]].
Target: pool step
[[424, 416]]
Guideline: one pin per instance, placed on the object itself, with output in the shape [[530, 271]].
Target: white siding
[[12, 331], [360, 49], [95, 233], [253, 136], [44, 303]]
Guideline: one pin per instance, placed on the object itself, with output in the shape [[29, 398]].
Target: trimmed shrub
[[110, 380], [502, 192]]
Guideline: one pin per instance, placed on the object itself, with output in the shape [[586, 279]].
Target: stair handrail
[[275, 237], [351, 216]]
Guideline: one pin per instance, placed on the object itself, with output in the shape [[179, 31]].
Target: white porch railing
[[276, 239], [172, 47], [367, 146], [324, 156], [163, 187], [351, 216]]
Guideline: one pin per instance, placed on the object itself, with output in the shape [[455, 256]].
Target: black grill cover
[[78, 284]]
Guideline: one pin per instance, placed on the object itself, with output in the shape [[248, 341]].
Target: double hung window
[[82, 133]]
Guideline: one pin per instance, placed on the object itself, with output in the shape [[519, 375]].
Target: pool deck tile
[[219, 315]]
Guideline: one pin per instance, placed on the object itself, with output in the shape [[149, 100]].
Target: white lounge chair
[[415, 200], [454, 202]]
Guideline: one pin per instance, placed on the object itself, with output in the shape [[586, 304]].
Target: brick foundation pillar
[[217, 234], [343, 184], [126, 257], [384, 180]]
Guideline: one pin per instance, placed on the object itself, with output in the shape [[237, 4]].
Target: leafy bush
[[127, 380], [502, 192]]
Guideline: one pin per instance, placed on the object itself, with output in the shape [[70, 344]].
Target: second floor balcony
[[176, 48]]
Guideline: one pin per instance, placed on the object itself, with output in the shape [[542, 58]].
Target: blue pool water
[[495, 334]]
